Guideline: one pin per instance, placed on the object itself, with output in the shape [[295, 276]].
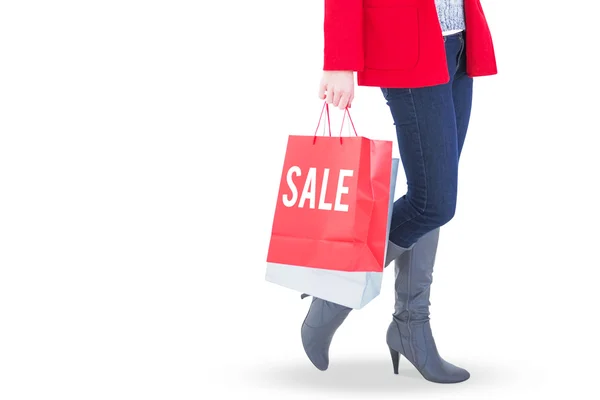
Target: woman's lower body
[[431, 125]]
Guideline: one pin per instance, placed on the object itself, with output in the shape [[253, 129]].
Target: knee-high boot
[[409, 334]]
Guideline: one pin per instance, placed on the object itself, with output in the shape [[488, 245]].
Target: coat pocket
[[391, 37]]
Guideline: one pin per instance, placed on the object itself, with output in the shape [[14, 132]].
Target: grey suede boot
[[409, 333], [324, 318]]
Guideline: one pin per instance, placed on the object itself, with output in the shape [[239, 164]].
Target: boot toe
[[454, 374], [460, 375], [319, 361], [438, 370]]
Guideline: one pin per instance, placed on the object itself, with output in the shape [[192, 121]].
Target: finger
[[322, 91], [351, 100], [329, 95], [337, 95], [344, 100]]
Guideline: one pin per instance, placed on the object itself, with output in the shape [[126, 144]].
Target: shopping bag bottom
[[350, 289]]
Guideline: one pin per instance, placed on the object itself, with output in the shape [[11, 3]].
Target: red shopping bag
[[333, 202]]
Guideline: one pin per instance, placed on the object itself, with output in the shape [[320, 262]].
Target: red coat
[[399, 43]]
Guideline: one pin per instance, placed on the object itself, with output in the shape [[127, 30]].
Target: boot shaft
[[414, 275]]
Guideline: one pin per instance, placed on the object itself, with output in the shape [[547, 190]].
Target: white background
[[141, 145]]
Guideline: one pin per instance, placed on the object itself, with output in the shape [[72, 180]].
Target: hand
[[337, 88]]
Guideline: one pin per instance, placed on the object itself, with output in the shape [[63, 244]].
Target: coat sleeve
[[343, 35]]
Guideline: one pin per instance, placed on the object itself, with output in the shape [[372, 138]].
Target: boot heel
[[395, 359]]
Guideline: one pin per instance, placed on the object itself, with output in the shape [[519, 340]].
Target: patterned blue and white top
[[451, 14]]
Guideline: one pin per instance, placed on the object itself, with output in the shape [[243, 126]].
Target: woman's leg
[[431, 126], [409, 333]]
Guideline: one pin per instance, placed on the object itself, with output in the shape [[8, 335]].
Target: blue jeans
[[431, 125]]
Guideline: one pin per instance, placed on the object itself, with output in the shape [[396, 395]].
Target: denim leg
[[427, 127]]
